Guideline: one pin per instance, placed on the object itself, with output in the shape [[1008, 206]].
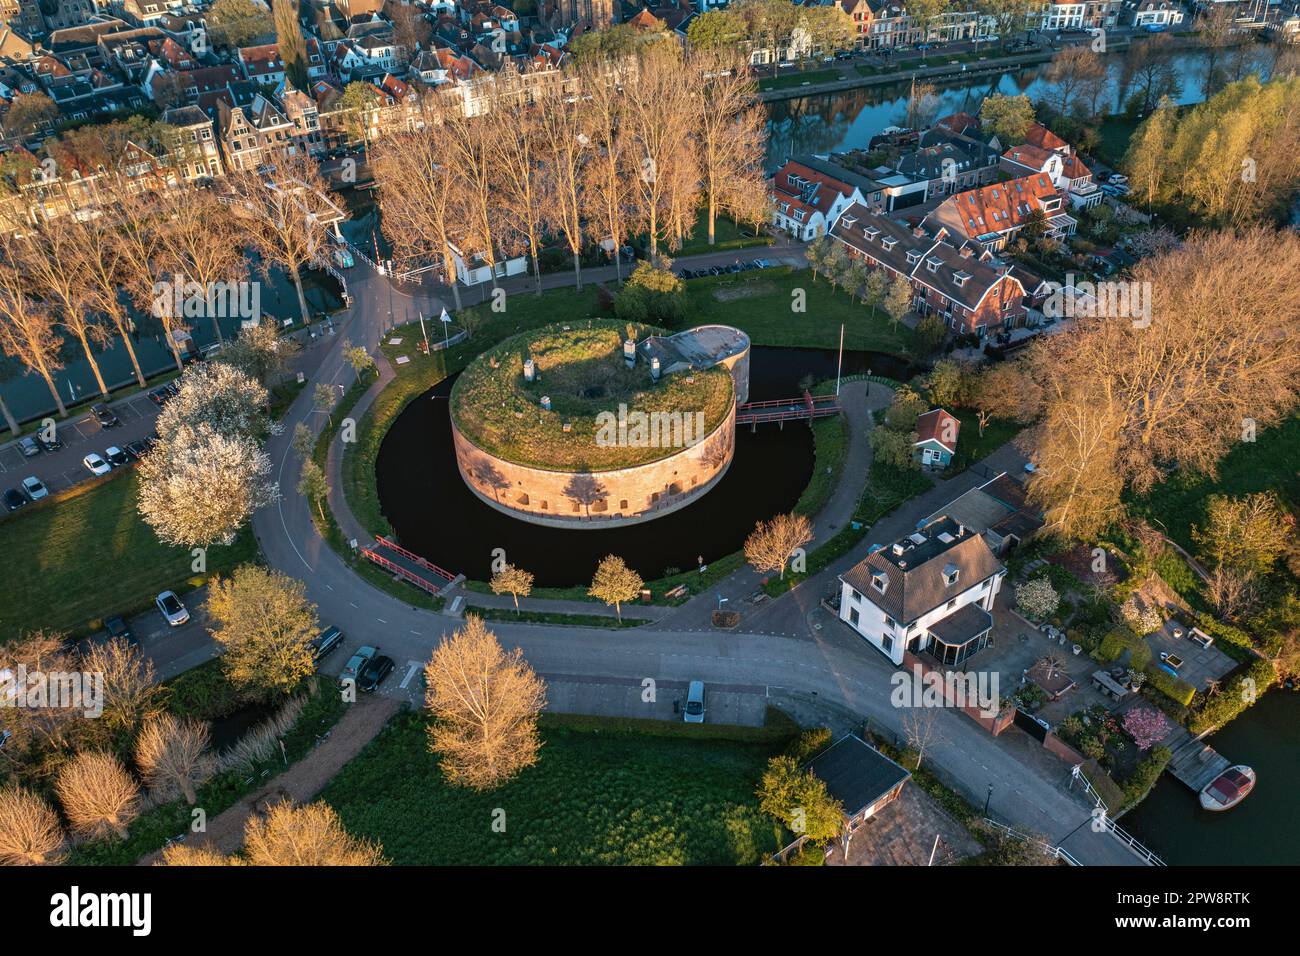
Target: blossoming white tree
[[220, 395], [1037, 599], [198, 487]]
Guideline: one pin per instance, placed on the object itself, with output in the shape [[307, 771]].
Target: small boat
[[1228, 789]]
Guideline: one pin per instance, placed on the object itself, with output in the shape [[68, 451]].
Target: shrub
[[1037, 599], [1175, 688], [1239, 693], [1144, 776], [1142, 619], [1147, 727]]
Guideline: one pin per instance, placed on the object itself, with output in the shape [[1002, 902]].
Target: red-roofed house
[[993, 215], [262, 64], [1045, 152], [806, 202], [936, 438]]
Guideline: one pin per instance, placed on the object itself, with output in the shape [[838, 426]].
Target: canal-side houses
[[958, 280], [994, 215]]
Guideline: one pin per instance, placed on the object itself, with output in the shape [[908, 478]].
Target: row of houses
[[941, 213]]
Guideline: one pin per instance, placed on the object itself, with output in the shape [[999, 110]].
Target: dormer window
[[870, 232], [913, 257], [888, 243], [879, 581], [933, 264], [950, 574], [961, 277]]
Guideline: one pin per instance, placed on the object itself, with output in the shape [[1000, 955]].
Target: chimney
[[530, 370], [654, 369], [629, 352], [546, 402]]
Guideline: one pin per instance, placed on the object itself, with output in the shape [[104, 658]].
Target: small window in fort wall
[[675, 489], [600, 506], [622, 505], [654, 496], [544, 508], [695, 480], [576, 507], [523, 499]]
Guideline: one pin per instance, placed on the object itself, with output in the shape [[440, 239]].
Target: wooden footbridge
[[409, 566], [1195, 763], [782, 410]]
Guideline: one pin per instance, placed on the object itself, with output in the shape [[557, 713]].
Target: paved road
[[790, 650]]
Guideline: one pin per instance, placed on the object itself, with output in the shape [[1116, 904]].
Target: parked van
[[695, 703]]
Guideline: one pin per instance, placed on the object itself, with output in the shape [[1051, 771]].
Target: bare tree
[[49, 255], [485, 703], [517, 144], [919, 726], [417, 196], [203, 245], [608, 172], [173, 755], [30, 833], [310, 835], [286, 216], [184, 854], [771, 543], [467, 145], [139, 237], [131, 692], [99, 797], [729, 136], [26, 326], [98, 261], [564, 146]]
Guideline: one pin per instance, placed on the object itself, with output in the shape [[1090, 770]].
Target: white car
[[35, 489], [694, 713], [96, 465], [172, 608], [987, 38]]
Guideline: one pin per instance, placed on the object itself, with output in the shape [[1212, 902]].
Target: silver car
[[172, 608], [35, 488], [694, 713]]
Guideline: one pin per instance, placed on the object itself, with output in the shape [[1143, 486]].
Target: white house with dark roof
[[930, 592]]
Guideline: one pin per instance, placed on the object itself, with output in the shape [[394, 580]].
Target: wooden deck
[[1195, 763]]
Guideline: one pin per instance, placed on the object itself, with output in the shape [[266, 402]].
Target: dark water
[[834, 122], [1260, 830], [28, 397], [436, 515]]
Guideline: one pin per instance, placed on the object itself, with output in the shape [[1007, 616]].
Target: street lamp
[[987, 799]]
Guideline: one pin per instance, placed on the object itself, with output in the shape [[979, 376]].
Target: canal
[[1260, 830], [834, 122]]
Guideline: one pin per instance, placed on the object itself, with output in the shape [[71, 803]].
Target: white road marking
[[381, 620], [411, 668]]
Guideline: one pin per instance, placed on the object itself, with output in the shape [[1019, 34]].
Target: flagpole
[[839, 365], [425, 333]]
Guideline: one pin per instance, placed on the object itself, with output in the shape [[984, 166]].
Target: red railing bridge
[[408, 565], [788, 409]]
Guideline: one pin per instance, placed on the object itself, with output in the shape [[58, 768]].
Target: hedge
[[1175, 688], [1144, 776], [1231, 701]]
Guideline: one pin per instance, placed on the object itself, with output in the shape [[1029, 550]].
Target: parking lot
[[81, 434]]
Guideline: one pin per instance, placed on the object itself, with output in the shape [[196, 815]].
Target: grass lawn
[[601, 793], [798, 79], [726, 235], [1114, 136], [90, 555], [550, 617], [760, 303], [971, 445], [1267, 464]]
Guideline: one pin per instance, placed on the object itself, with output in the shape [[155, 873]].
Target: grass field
[[798, 79], [551, 617], [600, 794], [971, 445], [1268, 463], [80, 559], [726, 235], [761, 304]]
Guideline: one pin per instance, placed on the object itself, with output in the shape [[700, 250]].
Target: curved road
[[791, 650]]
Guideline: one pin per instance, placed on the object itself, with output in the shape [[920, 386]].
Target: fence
[[1059, 852], [1110, 825]]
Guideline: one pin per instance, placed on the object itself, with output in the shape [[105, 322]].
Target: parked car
[[117, 627], [330, 639], [116, 457], [1117, 179], [987, 38], [160, 396], [374, 672], [694, 713], [14, 499], [35, 488], [172, 608], [137, 449], [172, 388], [49, 444], [104, 415], [96, 465], [29, 447], [356, 663]]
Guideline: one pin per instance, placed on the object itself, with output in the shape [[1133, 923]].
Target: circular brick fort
[[599, 423]]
